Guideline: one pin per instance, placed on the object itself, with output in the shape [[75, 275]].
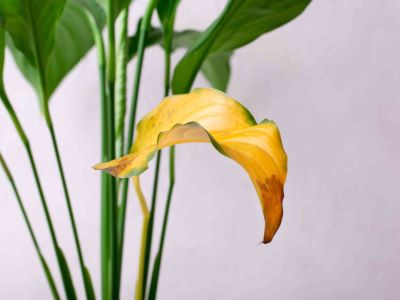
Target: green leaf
[[31, 25], [240, 23], [95, 9], [216, 68], [166, 10], [71, 39], [119, 5], [66, 275], [184, 39]]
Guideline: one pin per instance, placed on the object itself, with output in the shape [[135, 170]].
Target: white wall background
[[331, 80]]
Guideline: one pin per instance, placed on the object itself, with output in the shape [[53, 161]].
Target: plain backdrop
[[331, 81]]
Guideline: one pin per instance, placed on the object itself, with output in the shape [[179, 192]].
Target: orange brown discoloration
[[271, 192], [116, 166]]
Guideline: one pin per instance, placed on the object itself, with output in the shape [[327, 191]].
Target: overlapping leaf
[[166, 10], [48, 37], [216, 68], [241, 22], [207, 115]]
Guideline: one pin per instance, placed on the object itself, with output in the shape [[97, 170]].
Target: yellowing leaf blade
[[209, 116]]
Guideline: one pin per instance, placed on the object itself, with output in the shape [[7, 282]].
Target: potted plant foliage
[[48, 38]]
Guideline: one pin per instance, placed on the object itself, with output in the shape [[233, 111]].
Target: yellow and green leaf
[[207, 115]]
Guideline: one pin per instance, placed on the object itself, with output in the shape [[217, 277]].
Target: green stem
[[104, 235], [112, 200], [67, 281], [157, 262], [44, 98], [168, 37], [120, 82], [144, 26], [151, 224], [43, 262], [86, 280], [122, 63]]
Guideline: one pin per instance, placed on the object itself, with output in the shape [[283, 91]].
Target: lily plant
[[48, 38]]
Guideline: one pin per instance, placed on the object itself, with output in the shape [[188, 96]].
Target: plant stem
[[44, 98], [145, 212], [120, 102], [144, 26], [151, 224], [112, 200], [120, 82], [104, 235], [86, 280], [168, 37], [43, 262], [157, 262], [67, 281]]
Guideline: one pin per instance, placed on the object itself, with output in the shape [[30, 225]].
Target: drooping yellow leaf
[[207, 115]]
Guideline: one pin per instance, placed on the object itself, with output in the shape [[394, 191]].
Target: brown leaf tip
[[272, 194]]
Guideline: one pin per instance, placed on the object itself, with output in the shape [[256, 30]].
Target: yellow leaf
[[207, 115]]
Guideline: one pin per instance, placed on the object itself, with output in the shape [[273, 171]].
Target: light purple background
[[330, 79]]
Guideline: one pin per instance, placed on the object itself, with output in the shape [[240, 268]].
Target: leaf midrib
[[39, 61], [219, 26]]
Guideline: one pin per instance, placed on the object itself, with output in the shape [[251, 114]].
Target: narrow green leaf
[[240, 23], [66, 274]]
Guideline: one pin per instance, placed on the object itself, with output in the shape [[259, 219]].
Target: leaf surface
[[216, 68], [54, 38], [241, 22], [210, 116]]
